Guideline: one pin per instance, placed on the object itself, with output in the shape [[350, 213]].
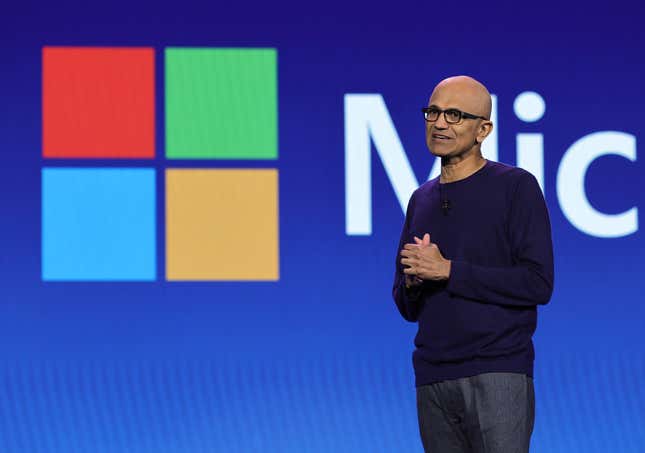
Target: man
[[475, 260]]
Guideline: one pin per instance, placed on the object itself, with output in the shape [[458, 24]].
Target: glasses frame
[[462, 115]]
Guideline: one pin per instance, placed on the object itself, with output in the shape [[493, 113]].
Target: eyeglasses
[[452, 116]]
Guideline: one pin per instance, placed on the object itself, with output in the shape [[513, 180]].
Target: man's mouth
[[440, 137]]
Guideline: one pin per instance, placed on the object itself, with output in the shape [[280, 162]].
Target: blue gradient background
[[320, 361]]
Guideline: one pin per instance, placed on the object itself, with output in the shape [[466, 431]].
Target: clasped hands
[[423, 261]]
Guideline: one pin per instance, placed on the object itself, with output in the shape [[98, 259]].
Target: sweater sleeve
[[408, 301], [529, 281]]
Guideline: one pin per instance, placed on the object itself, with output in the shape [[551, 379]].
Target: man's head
[[467, 95]]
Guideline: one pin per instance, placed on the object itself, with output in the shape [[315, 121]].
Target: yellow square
[[222, 224]]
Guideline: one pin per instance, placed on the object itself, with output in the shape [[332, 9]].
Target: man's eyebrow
[[437, 107]]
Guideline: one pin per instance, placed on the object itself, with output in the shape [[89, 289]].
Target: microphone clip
[[445, 206]]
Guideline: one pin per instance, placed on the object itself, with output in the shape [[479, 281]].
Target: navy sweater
[[498, 236]]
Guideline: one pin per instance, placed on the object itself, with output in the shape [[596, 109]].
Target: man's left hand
[[424, 260]]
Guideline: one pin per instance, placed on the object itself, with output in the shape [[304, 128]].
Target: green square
[[221, 103]]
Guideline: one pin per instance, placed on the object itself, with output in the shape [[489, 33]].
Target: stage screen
[[202, 204]]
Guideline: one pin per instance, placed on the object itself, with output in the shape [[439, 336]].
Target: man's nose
[[441, 122]]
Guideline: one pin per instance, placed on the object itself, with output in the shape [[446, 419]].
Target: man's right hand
[[412, 281]]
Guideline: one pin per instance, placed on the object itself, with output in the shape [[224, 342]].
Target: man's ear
[[485, 128]]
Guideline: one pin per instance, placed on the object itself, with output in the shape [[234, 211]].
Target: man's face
[[448, 140]]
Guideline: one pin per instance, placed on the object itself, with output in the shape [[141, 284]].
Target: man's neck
[[454, 171]]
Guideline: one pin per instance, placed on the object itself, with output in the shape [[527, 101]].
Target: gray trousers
[[487, 413]]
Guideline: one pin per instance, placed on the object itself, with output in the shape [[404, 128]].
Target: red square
[[98, 102]]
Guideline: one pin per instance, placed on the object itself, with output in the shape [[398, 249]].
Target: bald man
[[474, 261]]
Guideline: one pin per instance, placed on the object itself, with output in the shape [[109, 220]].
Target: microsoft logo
[[102, 173]]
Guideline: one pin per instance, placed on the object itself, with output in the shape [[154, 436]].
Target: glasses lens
[[453, 116], [431, 114]]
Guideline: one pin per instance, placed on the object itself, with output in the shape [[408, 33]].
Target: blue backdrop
[[320, 361]]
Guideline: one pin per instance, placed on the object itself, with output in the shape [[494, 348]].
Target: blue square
[[98, 224]]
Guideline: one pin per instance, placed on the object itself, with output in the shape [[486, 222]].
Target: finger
[[426, 239], [411, 247], [409, 271], [418, 241]]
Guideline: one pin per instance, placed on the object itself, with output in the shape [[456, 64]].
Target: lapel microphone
[[445, 206], [445, 202]]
